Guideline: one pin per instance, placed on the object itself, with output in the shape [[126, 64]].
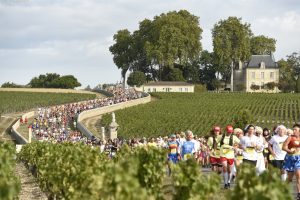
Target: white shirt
[[246, 142], [277, 142]]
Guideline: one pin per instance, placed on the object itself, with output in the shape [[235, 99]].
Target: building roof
[[256, 60], [168, 83]]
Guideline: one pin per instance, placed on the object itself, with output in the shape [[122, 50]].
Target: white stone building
[[260, 70], [167, 86]]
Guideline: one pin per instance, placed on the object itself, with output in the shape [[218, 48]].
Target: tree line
[[48, 80], [168, 48]]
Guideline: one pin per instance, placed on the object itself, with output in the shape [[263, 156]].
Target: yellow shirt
[[227, 150], [214, 152]]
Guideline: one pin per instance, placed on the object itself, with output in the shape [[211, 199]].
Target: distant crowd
[[58, 123]]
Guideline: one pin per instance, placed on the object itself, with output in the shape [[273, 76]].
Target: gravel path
[[29, 186]]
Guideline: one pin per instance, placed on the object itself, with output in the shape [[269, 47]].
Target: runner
[[275, 148], [227, 143], [214, 146], [292, 159], [260, 165], [249, 143], [266, 153], [188, 147], [173, 145]]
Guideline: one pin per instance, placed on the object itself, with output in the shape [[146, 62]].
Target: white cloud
[[73, 36]]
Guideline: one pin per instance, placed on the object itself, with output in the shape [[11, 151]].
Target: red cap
[[229, 129], [217, 128]]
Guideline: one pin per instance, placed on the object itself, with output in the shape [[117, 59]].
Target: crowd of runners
[[58, 123], [223, 150]]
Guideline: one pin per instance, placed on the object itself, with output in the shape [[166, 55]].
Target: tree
[[241, 87], [254, 87], [136, 78], [54, 81], [298, 85], [169, 40], [216, 83], [231, 42], [262, 45], [207, 70], [174, 74], [11, 85], [242, 119], [270, 85]]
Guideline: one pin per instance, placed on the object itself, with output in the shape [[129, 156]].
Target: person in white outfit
[[275, 148], [260, 165]]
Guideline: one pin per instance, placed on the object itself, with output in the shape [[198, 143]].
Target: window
[[186, 89], [180, 89], [262, 75], [272, 75], [253, 75], [149, 89], [154, 89]]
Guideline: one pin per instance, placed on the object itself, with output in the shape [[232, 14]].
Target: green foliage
[[262, 45], [231, 42], [240, 87], [11, 85], [270, 85], [136, 78], [9, 183], [173, 74], [267, 186], [208, 70], [54, 81], [21, 101], [242, 119], [190, 183], [77, 171], [200, 111], [289, 71], [254, 87], [200, 88], [169, 39], [298, 85]]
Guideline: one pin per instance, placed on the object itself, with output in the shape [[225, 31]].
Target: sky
[[73, 36]]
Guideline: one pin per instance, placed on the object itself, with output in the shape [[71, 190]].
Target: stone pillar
[[29, 134], [103, 133], [113, 128]]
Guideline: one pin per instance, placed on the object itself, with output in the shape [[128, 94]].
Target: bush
[[242, 119], [200, 88], [136, 78], [267, 186], [9, 183], [190, 183]]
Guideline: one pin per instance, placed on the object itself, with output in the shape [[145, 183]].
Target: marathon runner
[[214, 146]]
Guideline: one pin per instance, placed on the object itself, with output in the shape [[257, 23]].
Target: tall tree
[[169, 40], [207, 70], [122, 51], [231, 42], [136, 78], [262, 45]]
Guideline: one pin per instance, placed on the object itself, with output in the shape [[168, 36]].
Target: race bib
[[250, 150], [280, 145], [225, 151], [173, 151]]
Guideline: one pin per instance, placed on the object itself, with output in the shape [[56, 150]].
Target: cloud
[[73, 36]]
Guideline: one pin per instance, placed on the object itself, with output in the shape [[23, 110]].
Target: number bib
[[250, 150]]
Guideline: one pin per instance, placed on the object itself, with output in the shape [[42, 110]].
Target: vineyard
[[9, 183], [200, 111], [77, 171], [22, 101]]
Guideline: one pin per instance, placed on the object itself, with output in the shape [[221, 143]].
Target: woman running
[[213, 144], [292, 159]]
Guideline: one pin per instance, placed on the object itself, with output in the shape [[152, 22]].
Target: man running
[[275, 148], [227, 143], [173, 146], [214, 146]]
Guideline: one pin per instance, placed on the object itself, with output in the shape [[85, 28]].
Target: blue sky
[[73, 36]]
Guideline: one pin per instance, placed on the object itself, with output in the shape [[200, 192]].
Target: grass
[[21, 101]]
